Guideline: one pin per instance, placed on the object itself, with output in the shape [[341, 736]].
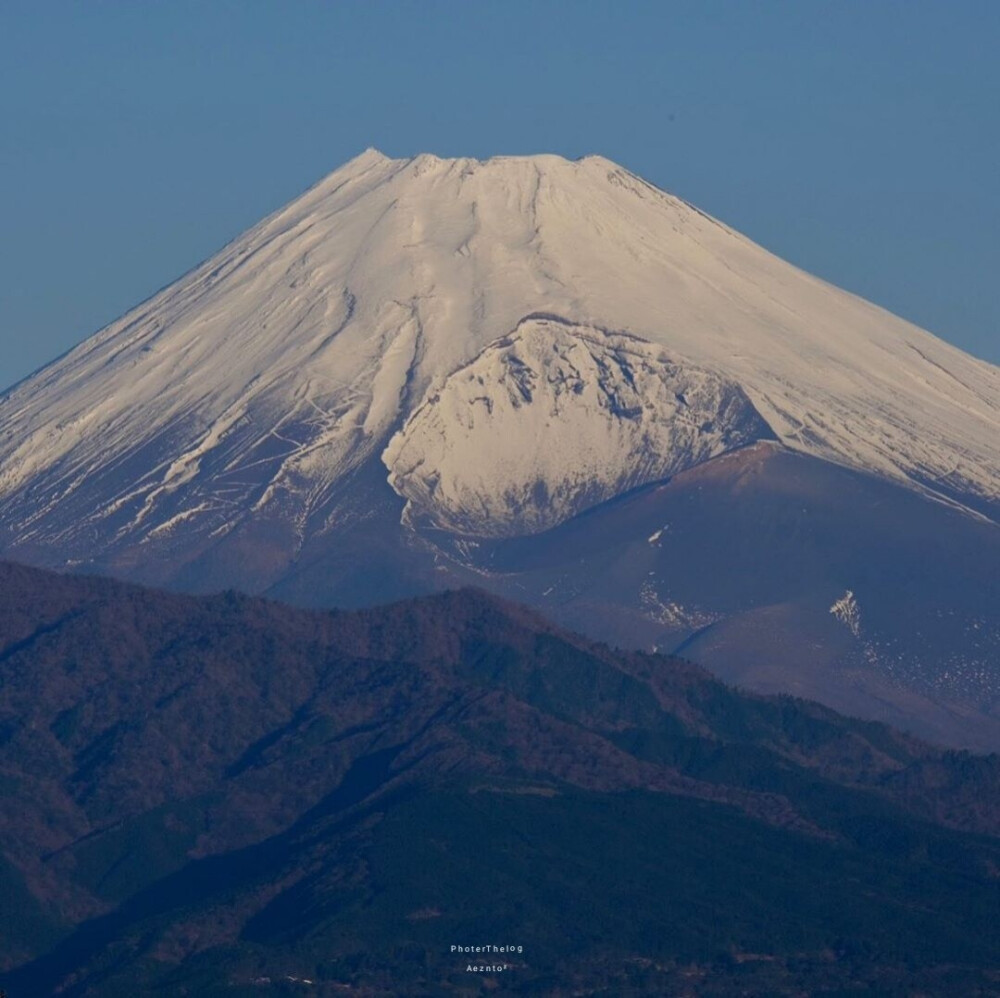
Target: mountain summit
[[420, 358]]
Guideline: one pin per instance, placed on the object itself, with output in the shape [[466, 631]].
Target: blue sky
[[860, 140]]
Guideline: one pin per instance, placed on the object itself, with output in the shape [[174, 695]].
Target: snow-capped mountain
[[418, 357], [257, 381]]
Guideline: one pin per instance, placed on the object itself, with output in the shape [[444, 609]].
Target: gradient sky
[[859, 140]]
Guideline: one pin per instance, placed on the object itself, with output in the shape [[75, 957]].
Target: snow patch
[[847, 611], [672, 614]]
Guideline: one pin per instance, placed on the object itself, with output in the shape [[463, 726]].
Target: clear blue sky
[[860, 140]]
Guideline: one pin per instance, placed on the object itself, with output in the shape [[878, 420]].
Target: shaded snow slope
[[255, 385]]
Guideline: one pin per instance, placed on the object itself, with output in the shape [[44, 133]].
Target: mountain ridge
[[216, 792]]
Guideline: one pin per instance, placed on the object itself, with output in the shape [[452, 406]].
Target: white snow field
[[556, 418], [516, 339]]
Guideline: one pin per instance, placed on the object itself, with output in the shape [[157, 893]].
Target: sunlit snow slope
[[353, 322], [554, 419]]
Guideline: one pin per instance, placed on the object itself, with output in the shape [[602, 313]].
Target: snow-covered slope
[[554, 419], [257, 385]]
